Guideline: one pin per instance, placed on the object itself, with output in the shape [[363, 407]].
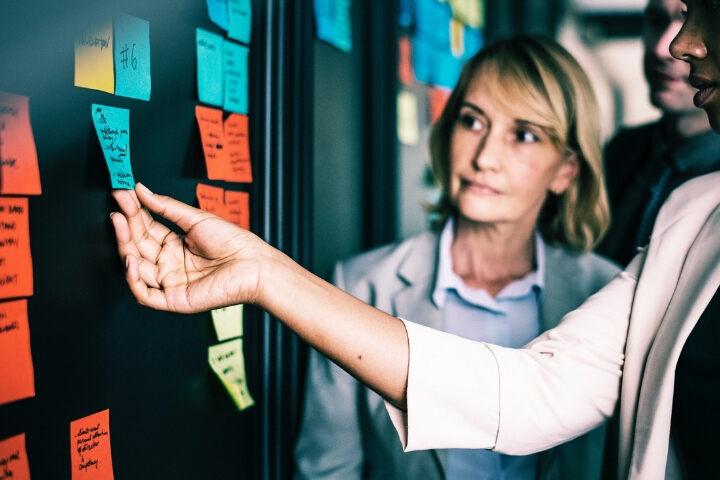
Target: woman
[[505, 152], [627, 338]]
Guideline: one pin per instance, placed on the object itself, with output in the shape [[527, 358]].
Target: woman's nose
[[486, 154], [689, 43]]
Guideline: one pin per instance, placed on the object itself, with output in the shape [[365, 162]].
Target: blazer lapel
[[560, 294]]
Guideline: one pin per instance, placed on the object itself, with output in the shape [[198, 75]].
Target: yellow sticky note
[[457, 38], [408, 129], [94, 59], [469, 12], [228, 322], [227, 361]]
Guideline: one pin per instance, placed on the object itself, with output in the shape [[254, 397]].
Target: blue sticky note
[[112, 126], [239, 20], [236, 78], [210, 67], [333, 22], [132, 57], [218, 12], [432, 23]]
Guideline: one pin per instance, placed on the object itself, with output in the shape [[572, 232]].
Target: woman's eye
[[526, 136], [471, 123]]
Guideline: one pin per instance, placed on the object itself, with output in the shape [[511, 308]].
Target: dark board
[[93, 347]]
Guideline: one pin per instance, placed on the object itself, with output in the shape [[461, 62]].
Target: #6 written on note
[[13, 458], [210, 67], [228, 322], [236, 78], [112, 126], [94, 59], [132, 57], [18, 155], [16, 365], [90, 456], [226, 360], [16, 273]]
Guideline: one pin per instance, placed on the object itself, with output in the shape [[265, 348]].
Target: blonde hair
[[536, 79]]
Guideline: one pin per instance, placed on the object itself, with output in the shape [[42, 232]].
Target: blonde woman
[[523, 200]]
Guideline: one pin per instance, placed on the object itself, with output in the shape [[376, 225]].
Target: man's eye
[[525, 136]]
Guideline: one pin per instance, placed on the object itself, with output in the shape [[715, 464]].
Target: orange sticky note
[[438, 98], [13, 458], [212, 136], [211, 199], [405, 53], [16, 275], [237, 207], [17, 379], [90, 457], [237, 147], [18, 156]]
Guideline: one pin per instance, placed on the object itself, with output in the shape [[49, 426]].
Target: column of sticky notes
[[222, 80]]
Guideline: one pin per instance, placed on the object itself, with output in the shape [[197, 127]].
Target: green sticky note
[[112, 126], [210, 67], [239, 20], [236, 78], [132, 57], [228, 322], [227, 361]]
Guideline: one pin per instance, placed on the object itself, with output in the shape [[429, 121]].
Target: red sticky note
[[212, 136], [237, 147], [438, 98], [16, 275], [20, 174], [90, 457], [13, 458], [17, 379], [237, 207], [211, 199], [405, 53]]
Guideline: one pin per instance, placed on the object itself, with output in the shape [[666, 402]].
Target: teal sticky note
[[112, 126], [333, 23], [132, 57], [236, 78], [239, 20], [210, 67], [218, 12]]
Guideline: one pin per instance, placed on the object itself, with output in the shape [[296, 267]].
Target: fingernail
[[145, 189], [112, 213]]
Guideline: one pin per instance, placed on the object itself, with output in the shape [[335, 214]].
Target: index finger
[[181, 214]]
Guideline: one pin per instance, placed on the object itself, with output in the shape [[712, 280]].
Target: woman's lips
[[479, 188], [706, 89]]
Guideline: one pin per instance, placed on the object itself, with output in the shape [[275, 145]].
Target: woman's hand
[[214, 264]]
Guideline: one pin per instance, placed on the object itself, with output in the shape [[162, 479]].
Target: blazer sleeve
[[464, 394], [330, 442]]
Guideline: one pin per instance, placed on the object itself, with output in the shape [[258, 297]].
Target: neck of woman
[[491, 256]]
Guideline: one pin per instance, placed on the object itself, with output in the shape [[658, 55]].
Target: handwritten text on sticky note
[[210, 67], [112, 126], [18, 155], [16, 274], [94, 59], [228, 363], [90, 455], [13, 459], [236, 78], [16, 366]]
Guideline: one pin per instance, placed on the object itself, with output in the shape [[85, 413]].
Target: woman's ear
[[566, 173]]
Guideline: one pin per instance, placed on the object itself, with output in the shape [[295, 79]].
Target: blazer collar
[[560, 290]]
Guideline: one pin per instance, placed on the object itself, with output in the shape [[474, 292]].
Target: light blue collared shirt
[[510, 319]]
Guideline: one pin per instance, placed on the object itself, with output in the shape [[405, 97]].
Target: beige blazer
[[624, 342], [346, 432]]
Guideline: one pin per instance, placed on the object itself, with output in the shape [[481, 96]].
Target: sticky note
[[405, 62], [94, 59], [16, 365], [112, 126], [228, 322], [469, 12], [211, 199], [408, 129], [210, 67], [13, 458], [333, 23], [90, 457], [18, 156], [16, 274], [132, 57], [236, 78], [212, 137], [226, 360], [218, 13], [237, 149], [239, 20], [237, 208], [437, 99]]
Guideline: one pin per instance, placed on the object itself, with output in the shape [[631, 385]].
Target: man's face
[[670, 90]]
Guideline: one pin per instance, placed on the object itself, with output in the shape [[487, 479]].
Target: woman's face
[[501, 167], [698, 43]]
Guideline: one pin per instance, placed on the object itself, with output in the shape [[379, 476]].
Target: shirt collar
[[692, 156], [447, 280]]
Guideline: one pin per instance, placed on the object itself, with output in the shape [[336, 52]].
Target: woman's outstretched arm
[[213, 263]]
